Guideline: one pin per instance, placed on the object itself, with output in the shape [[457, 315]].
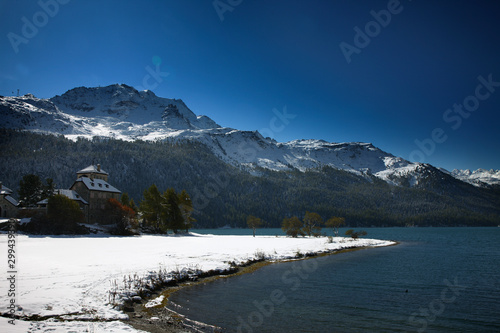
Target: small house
[[8, 205]]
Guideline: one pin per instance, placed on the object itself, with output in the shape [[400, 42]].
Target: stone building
[[93, 187], [8, 205]]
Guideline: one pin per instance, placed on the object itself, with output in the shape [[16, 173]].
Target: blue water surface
[[435, 280]]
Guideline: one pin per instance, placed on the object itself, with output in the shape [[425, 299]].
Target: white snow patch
[[155, 302]]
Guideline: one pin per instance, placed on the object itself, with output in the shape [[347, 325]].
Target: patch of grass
[[260, 255]]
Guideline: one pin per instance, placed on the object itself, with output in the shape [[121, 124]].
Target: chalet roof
[[11, 200], [93, 169], [73, 195], [5, 190], [97, 185]]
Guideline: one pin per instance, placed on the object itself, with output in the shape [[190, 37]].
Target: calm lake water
[[436, 280]]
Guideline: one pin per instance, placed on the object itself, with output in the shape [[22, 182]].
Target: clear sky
[[419, 79]]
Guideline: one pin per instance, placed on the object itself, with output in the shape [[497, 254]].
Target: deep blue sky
[[268, 54]]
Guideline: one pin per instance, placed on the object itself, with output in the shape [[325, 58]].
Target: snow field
[[73, 276]]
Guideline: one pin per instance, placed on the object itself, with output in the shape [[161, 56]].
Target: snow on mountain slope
[[250, 149], [127, 104], [31, 113], [479, 177], [122, 112]]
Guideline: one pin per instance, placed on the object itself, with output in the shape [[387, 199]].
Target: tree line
[[293, 226], [310, 225]]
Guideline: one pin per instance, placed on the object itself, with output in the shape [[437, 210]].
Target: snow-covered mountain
[[479, 177], [126, 104], [122, 112]]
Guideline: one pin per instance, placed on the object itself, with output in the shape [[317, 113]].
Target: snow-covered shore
[[71, 277]]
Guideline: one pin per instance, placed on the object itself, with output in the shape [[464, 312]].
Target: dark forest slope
[[223, 194]]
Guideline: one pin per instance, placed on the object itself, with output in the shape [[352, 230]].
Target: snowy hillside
[[122, 112], [479, 177]]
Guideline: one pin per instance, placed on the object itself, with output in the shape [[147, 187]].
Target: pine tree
[[49, 188], [133, 205], [129, 202], [153, 210], [173, 214], [30, 190], [125, 199]]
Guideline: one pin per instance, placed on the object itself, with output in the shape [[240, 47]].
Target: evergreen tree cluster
[[222, 194], [167, 211], [32, 190]]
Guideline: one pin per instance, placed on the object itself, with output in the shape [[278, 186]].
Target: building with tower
[[92, 186]]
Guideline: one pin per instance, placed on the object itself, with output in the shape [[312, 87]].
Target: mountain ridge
[[120, 111]]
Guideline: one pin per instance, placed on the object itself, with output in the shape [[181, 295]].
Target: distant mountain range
[[122, 112], [479, 177], [141, 139]]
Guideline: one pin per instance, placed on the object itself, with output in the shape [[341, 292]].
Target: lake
[[435, 280]]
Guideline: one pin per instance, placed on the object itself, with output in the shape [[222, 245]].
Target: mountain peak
[[128, 104]]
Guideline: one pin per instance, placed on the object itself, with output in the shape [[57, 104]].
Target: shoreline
[[161, 318]]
